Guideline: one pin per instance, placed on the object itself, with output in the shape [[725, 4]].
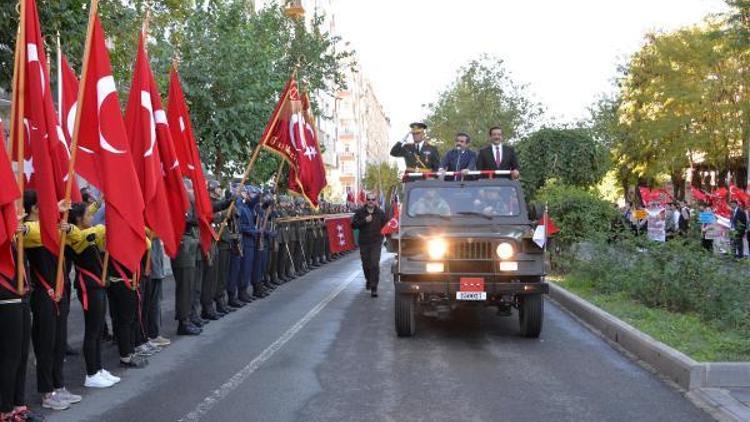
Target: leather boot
[[243, 296]]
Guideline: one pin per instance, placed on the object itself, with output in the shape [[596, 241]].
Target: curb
[[669, 362]]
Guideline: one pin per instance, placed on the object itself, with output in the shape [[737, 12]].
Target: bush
[[578, 213], [677, 276]]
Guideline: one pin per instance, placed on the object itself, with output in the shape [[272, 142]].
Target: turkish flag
[[9, 193], [340, 234], [698, 194], [309, 174], [85, 159], [276, 134], [178, 116], [102, 131], [739, 195], [393, 223], [46, 157], [140, 120]]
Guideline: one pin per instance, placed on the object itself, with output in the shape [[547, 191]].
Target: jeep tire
[[406, 323], [530, 315]]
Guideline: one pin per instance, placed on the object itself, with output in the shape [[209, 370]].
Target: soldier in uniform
[[263, 212], [282, 240], [274, 247], [419, 155], [229, 238], [300, 259], [184, 270], [236, 248], [249, 230], [210, 267]]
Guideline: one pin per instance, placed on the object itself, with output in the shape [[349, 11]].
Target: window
[[487, 201]]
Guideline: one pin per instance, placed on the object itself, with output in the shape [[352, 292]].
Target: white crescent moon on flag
[[146, 103], [104, 88], [32, 55], [70, 119], [160, 117], [61, 138]]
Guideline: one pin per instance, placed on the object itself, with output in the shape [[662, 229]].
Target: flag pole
[[278, 175], [250, 165], [16, 131], [74, 150], [59, 81]]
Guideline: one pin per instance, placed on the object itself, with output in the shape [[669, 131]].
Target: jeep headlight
[[437, 248], [505, 250]]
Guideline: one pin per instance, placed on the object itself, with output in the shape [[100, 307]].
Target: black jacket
[[369, 233], [428, 157], [486, 159], [739, 221]]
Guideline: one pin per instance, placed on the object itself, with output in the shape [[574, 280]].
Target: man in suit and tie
[[461, 158], [498, 156], [420, 155], [738, 224]]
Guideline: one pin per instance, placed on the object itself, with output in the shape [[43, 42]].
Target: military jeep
[[467, 243]]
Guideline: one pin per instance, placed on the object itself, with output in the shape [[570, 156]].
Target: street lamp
[[294, 9]]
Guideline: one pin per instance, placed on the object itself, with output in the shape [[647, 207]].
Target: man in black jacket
[[370, 219], [498, 156], [738, 223], [420, 155]]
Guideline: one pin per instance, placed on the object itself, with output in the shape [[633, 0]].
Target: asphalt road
[[320, 349]]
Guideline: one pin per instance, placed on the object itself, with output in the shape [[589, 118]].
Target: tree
[[570, 156], [683, 98], [380, 176], [233, 62], [482, 96]]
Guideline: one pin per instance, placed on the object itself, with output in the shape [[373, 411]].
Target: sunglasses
[[370, 199]]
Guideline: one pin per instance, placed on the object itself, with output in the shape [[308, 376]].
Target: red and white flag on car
[[393, 223], [544, 230]]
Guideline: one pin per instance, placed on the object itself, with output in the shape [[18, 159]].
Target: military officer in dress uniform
[[420, 155]]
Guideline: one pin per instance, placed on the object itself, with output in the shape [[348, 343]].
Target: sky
[[566, 51]]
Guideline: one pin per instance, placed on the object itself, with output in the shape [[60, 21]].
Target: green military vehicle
[[467, 243]]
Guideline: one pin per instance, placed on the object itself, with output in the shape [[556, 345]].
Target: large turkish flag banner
[[340, 234]]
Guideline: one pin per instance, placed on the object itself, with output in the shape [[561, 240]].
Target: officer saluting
[[419, 156]]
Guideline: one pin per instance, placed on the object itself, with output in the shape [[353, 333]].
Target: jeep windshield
[[463, 201]]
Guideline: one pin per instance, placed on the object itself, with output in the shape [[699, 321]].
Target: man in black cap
[[420, 155]]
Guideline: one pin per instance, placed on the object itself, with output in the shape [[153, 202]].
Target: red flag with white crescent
[[85, 159], [140, 121], [186, 147], [45, 152], [9, 193], [102, 131]]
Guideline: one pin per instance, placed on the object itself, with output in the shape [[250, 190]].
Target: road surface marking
[[237, 379]]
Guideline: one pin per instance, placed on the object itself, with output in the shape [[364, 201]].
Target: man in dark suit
[[460, 158], [419, 156], [498, 156], [738, 224]]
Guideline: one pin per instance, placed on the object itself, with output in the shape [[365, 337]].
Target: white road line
[[237, 379]]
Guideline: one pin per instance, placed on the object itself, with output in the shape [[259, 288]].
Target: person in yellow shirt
[[49, 328], [86, 247]]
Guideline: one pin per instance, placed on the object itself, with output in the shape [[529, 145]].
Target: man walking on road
[[370, 219]]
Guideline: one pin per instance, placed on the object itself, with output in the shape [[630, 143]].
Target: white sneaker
[[67, 396], [109, 376], [51, 401], [98, 381]]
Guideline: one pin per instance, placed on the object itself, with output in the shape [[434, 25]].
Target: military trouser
[[195, 299], [309, 250], [284, 263], [210, 276], [298, 256], [260, 267], [184, 278], [222, 271], [273, 260]]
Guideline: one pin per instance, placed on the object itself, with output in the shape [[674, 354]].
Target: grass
[[685, 332]]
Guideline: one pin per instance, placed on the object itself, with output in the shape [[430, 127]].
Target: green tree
[[380, 176], [570, 156], [684, 98], [483, 95], [233, 62]]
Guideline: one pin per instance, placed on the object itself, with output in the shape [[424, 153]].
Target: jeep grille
[[477, 249]]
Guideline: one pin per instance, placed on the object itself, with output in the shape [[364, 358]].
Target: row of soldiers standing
[[261, 246]]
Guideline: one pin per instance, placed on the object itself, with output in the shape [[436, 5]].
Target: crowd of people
[[264, 241]]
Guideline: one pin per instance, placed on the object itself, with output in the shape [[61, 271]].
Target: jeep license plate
[[471, 295]]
